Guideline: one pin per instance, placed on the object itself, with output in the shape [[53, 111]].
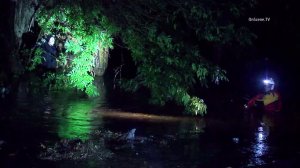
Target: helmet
[[51, 40], [269, 84]]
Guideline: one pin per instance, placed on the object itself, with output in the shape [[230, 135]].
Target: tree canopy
[[165, 39]]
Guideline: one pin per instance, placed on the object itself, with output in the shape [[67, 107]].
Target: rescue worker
[[269, 101], [49, 54]]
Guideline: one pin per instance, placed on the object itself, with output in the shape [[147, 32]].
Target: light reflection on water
[[260, 146], [200, 141], [75, 122], [79, 118]]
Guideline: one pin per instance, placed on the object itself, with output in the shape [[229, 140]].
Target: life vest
[[271, 101], [270, 98]]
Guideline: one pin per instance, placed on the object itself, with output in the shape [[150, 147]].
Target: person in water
[[49, 53], [269, 101]]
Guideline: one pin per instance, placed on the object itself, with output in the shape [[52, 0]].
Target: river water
[[32, 118]]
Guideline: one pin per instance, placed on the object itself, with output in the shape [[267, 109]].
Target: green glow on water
[[75, 122], [74, 116]]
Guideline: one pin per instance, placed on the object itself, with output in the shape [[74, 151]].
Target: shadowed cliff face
[[17, 17], [23, 18], [5, 40]]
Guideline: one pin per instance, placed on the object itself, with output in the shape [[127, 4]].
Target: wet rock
[[67, 145], [122, 138], [101, 146], [169, 137], [4, 91], [250, 165], [236, 140], [131, 134], [1, 144], [12, 154], [163, 142], [76, 149]]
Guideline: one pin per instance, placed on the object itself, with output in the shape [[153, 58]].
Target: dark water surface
[[238, 139]]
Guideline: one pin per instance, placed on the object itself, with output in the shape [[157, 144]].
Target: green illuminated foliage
[[86, 31], [36, 60], [165, 39]]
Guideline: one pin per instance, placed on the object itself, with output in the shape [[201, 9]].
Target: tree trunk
[[100, 61]]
